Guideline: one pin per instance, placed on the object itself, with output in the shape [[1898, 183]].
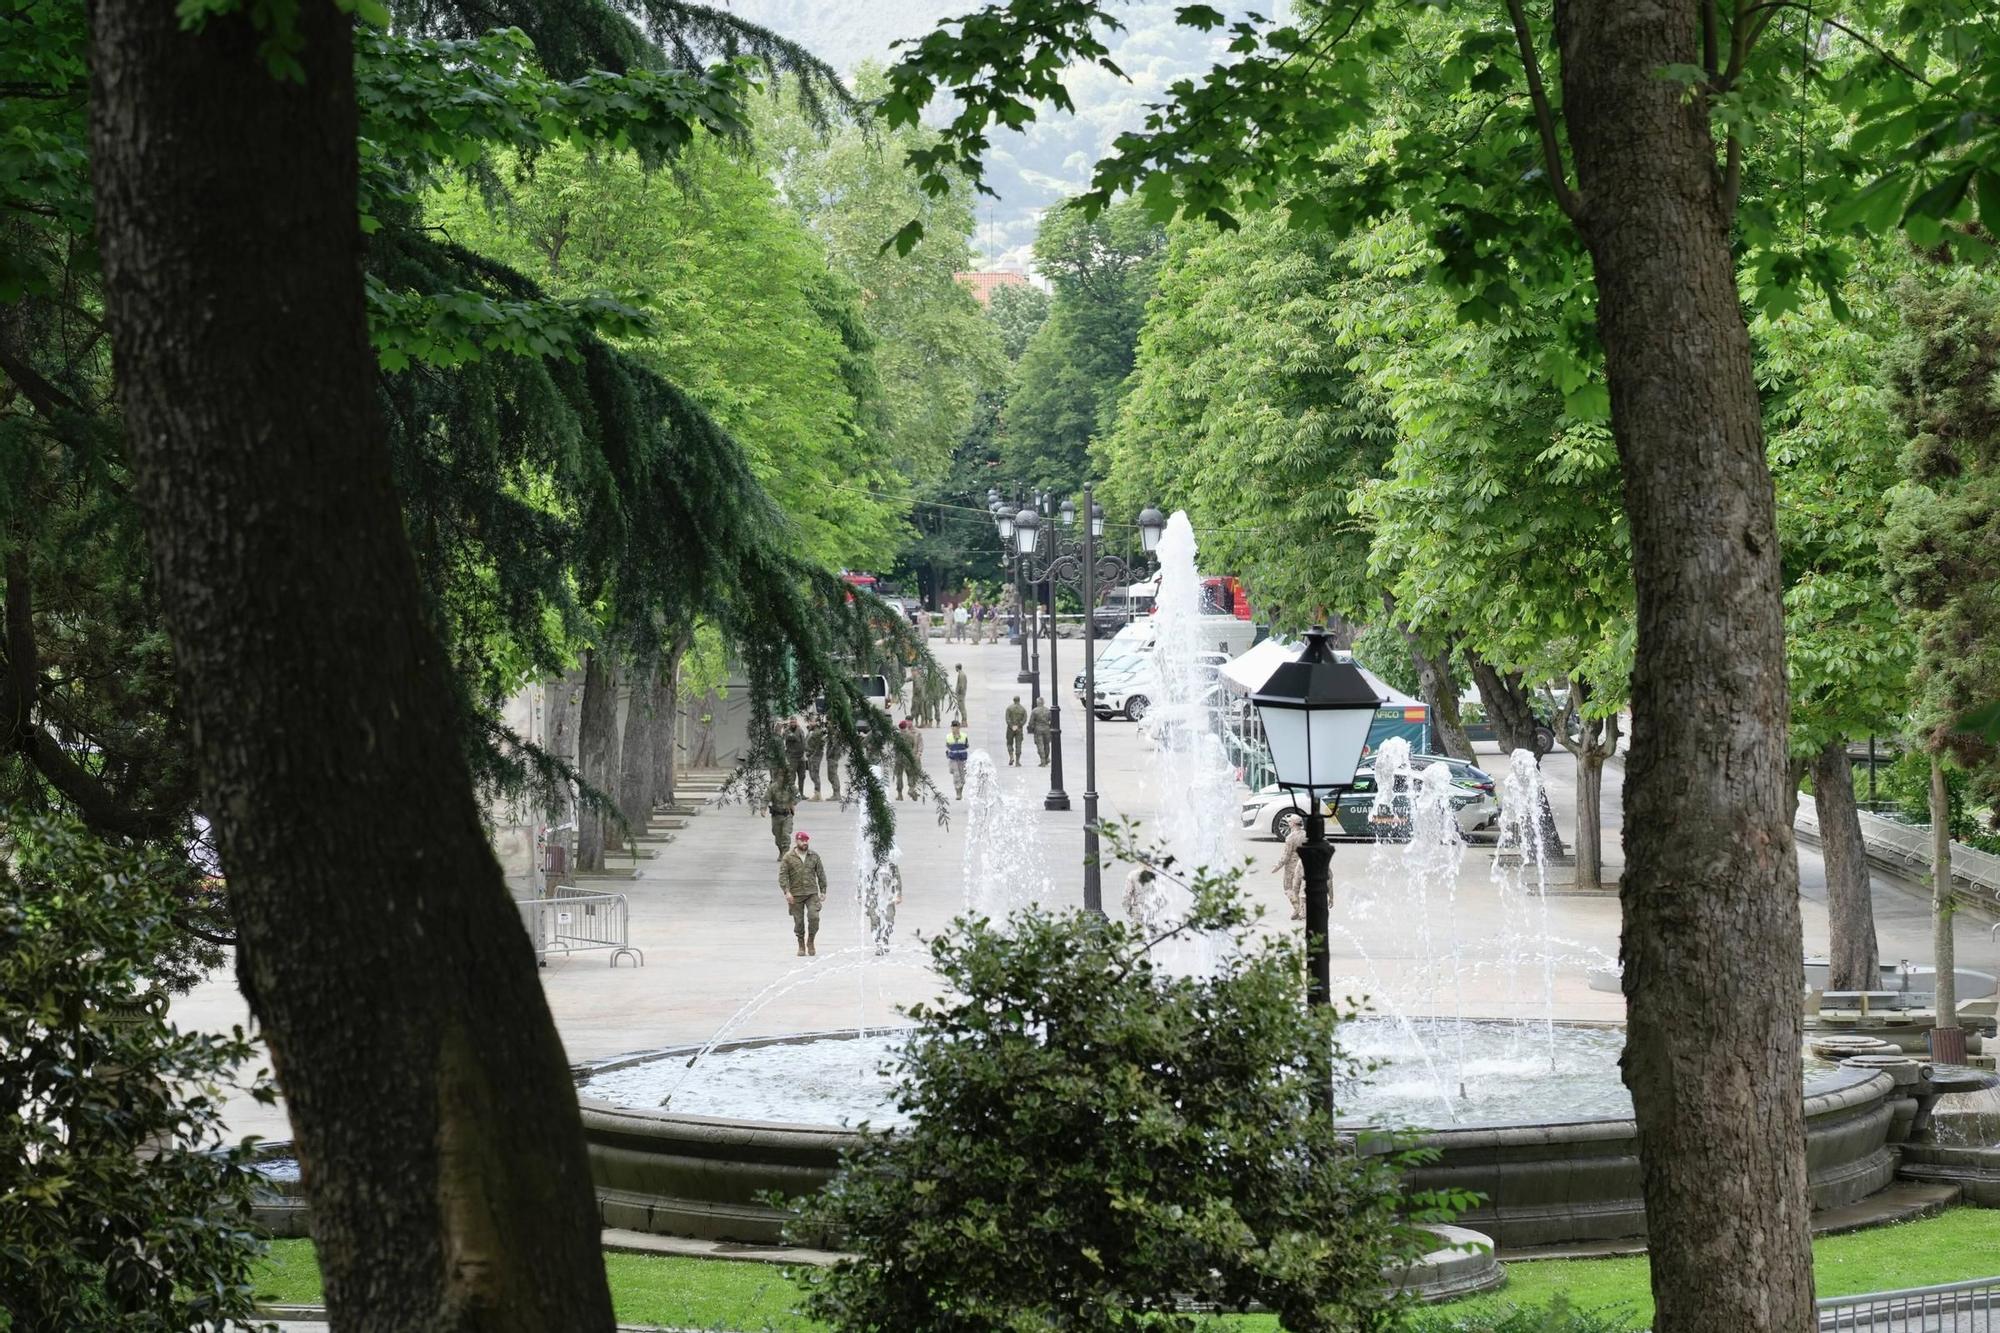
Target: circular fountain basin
[[772, 1116]]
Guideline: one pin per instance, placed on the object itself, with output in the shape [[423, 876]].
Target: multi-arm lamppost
[[1003, 520], [1316, 711], [1076, 563]]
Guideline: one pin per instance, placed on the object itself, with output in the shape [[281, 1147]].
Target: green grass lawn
[[718, 1293]]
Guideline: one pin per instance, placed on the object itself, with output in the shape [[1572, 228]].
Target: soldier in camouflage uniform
[[909, 771], [795, 755], [920, 697], [1038, 727], [783, 799], [815, 755], [802, 879], [958, 691], [1017, 723]]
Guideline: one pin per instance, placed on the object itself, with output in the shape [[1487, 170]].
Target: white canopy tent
[[1247, 673]]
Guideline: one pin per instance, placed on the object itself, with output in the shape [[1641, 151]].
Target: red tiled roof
[[982, 285]]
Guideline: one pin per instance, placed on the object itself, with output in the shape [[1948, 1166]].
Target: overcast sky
[[1052, 158]]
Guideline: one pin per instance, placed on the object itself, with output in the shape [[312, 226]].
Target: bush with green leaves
[[1558, 1316], [122, 1210], [1098, 1142]]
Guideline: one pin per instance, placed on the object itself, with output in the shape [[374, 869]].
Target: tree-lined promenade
[[362, 363]]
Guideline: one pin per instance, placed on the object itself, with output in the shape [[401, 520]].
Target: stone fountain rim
[[1825, 1093]]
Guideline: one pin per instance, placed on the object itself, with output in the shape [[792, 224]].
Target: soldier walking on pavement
[[958, 689], [1017, 721], [1038, 727], [815, 754], [957, 748], [920, 696], [795, 755], [909, 769], [783, 798], [802, 879]]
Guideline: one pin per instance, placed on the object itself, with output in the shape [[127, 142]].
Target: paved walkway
[[720, 957]]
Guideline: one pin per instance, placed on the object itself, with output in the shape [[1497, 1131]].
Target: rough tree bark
[[1439, 687], [667, 713], [1853, 958], [565, 723], [635, 759], [1596, 742], [1710, 893], [1509, 704], [437, 1128], [597, 756], [1944, 946]]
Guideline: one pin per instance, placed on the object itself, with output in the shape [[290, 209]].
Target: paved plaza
[[719, 950]]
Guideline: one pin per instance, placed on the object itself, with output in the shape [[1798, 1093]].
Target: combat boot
[[812, 945]]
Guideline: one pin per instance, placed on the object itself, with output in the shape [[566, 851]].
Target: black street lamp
[[1074, 563], [1109, 569], [1004, 519], [1316, 711]]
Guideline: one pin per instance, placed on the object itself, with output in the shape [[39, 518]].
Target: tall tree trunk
[[667, 715], [1596, 741], [1944, 947], [438, 1130], [1441, 698], [1509, 705], [597, 756], [565, 724], [1508, 702], [1853, 961], [635, 760], [1590, 818], [1439, 687], [1710, 893]]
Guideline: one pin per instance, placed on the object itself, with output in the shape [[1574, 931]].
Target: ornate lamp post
[[1003, 520], [1316, 711], [1075, 563], [1098, 568]]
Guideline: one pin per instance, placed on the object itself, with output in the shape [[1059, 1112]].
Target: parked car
[[1473, 803], [1127, 647], [1130, 692]]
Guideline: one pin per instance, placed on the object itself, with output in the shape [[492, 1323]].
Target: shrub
[[1098, 1144], [1558, 1316], [121, 1211]]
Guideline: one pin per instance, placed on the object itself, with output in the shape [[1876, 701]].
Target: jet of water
[[1005, 867]]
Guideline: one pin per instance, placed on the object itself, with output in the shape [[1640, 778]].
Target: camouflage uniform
[[1017, 721], [795, 756], [816, 739], [958, 692], [920, 698], [910, 771], [783, 798], [1038, 727], [802, 879]]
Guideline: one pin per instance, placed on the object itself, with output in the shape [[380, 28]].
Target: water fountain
[[1526, 1110], [1191, 785], [1005, 868]]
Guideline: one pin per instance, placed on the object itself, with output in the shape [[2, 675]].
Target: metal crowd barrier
[[1955, 1307], [576, 921]]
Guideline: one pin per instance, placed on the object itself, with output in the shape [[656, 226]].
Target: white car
[[1276, 811], [1131, 692]]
